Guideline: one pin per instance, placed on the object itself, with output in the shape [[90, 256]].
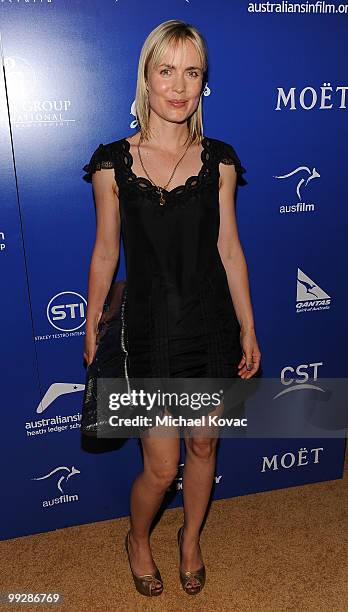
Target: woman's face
[[178, 78]]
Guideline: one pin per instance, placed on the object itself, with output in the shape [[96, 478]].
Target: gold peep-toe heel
[[145, 584], [186, 577]]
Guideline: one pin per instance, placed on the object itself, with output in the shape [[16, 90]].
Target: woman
[[189, 311]]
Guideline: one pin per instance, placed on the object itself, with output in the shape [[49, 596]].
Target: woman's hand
[[90, 347], [250, 362]]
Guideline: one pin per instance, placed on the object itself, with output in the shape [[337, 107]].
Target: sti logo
[[66, 311]]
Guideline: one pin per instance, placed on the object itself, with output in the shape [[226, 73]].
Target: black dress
[[179, 314]]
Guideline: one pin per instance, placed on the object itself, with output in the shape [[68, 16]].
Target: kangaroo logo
[[312, 174], [308, 289], [63, 478]]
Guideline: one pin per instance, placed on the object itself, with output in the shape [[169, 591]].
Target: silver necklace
[[158, 188]]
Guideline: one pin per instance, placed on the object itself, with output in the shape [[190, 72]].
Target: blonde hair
[[171, 31]]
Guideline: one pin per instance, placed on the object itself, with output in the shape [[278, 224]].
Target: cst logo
[[298, 378], [299, 374], [66, 311]]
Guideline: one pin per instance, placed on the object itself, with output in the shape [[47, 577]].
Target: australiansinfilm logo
[[57, 423], [58, 480], [66, 314]]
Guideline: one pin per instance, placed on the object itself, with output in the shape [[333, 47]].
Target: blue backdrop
[[276, 92]]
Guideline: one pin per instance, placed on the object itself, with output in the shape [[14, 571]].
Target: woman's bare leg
[[161, 458], [198, 478]]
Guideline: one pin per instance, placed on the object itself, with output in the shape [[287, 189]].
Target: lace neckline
[[146, 185]]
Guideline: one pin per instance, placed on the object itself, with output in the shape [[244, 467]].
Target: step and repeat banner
[[277, 92]]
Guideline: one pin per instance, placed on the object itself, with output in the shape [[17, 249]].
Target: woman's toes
[[157, 586]]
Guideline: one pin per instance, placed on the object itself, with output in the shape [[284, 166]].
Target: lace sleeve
[[227, 155], [101, 158]]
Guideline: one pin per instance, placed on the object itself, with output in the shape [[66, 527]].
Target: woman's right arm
[[105, 253]]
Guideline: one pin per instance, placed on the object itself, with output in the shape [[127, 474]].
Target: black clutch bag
[[110, 360]]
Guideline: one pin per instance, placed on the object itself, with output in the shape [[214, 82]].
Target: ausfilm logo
[[303, 174], [310, 296], [292, 459], [177, 483], [29, 107], [57, 423], [294, 379], [66, 312], [60, 476], [134, 124]]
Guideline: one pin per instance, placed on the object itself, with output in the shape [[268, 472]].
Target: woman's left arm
[[233, 259]]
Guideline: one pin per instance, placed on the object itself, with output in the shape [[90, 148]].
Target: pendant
[[162, 198]]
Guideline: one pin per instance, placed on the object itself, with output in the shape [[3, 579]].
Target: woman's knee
[[201, 448], [161, 460], [163, 474]]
